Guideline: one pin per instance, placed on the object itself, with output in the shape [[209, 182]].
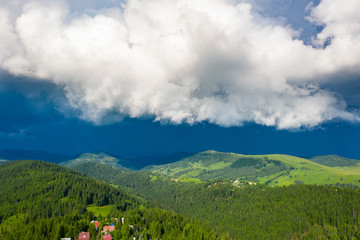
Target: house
[[96, 223], [84, 236], [108, 229], [65, 238], [106, 237]]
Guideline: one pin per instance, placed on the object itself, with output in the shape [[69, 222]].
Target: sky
[[154, 77]]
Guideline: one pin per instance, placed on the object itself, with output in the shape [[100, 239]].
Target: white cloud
[[185, 61]]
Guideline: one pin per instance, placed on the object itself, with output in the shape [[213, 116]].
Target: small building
[[96, 223], [106, 237], [65, 238], [108, 229], [84, 236]]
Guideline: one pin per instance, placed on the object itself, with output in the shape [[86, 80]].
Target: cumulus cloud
[[186, 61]]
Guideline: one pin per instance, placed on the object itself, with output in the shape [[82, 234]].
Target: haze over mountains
[[11, 154]]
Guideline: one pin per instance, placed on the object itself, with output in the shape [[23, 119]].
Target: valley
[[216, 195]]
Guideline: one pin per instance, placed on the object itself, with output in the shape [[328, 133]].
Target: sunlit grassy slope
[[274, 169], [100, 210]]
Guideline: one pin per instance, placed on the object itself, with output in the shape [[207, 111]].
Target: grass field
[[103, 211]]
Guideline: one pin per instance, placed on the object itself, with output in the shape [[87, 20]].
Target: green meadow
[[100, 210], [273, 169]]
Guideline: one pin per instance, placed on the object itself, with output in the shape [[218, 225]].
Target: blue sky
[[261, 77]]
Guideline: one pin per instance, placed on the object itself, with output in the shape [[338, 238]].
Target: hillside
[[248, 211], [334, 161], [33, 192], [40, 200], [27, 181], [275, 169]]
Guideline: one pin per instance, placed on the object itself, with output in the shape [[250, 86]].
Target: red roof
[[96, 223], [108, 228], [84, 236], [106, 237]]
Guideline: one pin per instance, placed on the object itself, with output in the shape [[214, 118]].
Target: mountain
[[244, 210], [334, 161], [100, 157], [40, 200], [274, 169], [95, 156], [120, 162], [35, 194], [32, 180], [9, 154]]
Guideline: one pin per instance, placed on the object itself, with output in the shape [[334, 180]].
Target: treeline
[[251, 212], [40, 200]]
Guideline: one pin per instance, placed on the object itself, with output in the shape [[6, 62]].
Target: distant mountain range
[[96, 156], [10, 154], [273, 169]]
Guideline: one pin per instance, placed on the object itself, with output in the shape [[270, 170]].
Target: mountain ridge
[[271, 169]]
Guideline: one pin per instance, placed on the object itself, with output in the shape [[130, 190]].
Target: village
[[105, 233], [236, 183]]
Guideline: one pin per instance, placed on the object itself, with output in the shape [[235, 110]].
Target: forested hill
[[27, 181], [248, 211], [32, 192], [40, 200]]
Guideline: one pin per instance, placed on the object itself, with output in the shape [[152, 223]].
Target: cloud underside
[[185, 61]]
